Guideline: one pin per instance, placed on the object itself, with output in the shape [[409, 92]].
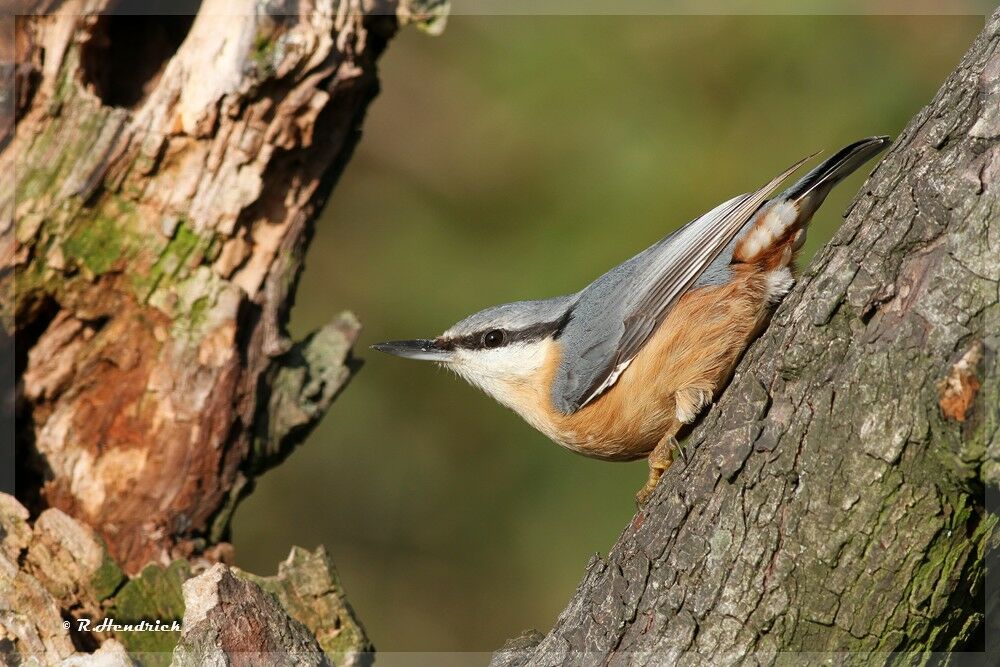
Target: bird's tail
[[810, 190], [778, 227]]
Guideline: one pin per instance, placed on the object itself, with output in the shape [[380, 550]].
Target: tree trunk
[[835, 498], [168, 171]]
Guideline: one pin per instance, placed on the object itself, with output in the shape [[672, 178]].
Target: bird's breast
[[615, 426]]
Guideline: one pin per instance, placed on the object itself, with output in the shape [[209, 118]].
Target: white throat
[[511, 374]]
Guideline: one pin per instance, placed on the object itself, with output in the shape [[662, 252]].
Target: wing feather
[[652, 291]]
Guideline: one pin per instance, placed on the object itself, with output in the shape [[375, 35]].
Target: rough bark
[[167, 174], [835, 499], [168, 170], [309, 590], [295, 618], [50, 572], [232, 620], [63, 596]]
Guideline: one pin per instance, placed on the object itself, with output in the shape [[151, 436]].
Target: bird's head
[[500, 349]]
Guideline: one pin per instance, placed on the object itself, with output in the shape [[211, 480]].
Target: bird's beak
[[424, 350]]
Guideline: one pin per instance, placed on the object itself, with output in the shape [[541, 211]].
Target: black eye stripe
[[476, 341]]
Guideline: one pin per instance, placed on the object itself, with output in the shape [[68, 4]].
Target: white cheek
[[507, 362], [503, 371]]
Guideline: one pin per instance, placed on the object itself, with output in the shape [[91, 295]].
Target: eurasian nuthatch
[[615, 370]]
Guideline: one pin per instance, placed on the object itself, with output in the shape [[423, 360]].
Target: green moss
[[107, 578], [191, 301], [940, 578], [198, 310], [96, 244], [29, 283], [43, 170], [35, 177], [214, 248], [155, 595], [185, 240], [268, 49], [264, 49], [96, 238], [173, 260]]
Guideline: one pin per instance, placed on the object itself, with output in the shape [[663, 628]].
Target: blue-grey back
[[597, 325], [614, 316]]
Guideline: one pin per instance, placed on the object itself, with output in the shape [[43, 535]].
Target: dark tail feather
[[813, 188]]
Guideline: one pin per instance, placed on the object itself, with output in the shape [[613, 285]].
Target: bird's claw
[[659, 460], [682, 450]]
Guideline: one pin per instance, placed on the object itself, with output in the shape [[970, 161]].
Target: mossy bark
[[62, 597], [161, 209], [167, 174], [834, 507]]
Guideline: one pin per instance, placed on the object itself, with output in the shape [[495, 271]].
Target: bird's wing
[[615, 316]]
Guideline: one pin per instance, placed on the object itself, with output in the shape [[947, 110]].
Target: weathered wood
[[299, 616], [168, 170], [229, 620], [835, 500], [53, 571], [30, 622], [308, 588], [56, 575]]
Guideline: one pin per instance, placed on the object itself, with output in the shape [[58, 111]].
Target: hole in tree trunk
[[127, 52], [31, 470]]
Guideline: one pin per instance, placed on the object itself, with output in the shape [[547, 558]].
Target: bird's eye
[[493, 338]]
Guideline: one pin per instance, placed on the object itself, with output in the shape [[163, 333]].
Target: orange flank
[[676, 373]]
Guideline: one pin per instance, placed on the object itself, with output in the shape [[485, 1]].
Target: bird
[[618, 369]]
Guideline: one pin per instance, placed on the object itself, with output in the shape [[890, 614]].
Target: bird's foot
[[660, 459], [642, 495]]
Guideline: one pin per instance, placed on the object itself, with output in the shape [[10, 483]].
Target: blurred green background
[[520, 157]]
